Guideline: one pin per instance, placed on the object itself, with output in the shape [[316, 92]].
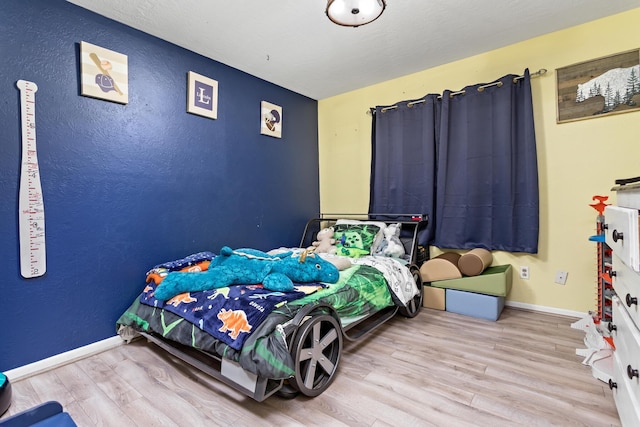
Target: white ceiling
[[293, 44]]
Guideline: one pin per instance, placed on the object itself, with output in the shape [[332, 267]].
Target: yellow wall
[[576, 160]]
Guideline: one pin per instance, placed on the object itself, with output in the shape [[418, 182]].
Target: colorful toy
[[249, 267], [394, 247], [5, 393], [350, 244], [325, 243]]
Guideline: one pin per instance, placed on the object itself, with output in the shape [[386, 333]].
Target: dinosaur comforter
[[244, 323]]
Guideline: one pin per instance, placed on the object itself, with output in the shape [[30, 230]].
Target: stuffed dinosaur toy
[[249, 267]]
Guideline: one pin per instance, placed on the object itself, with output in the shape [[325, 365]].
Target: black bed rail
[[360, 329]]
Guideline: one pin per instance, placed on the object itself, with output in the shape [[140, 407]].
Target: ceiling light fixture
[[354, 13]]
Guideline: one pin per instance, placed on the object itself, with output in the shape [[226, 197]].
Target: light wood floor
[[438, 369]]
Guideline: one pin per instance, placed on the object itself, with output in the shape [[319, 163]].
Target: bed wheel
[[413, 306], [287, 391], [316, 350]]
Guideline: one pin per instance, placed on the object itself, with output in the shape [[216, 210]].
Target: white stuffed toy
[[325, 243], [393, 247]]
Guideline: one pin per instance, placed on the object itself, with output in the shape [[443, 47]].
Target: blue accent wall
[[129, 186]]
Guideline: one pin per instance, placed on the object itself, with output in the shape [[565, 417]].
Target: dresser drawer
[[628, 408], [626, 337], [621, 233], [626, 283]]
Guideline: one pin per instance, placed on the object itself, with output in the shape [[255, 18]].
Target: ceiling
[[293, 44]]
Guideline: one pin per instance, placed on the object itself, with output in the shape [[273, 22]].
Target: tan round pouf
[[452, 257], [442, 267], [475, 262]]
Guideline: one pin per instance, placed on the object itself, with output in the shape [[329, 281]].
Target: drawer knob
[[613, 273], [631, 300], [617, 236], [605, 226], [631, 372], [612, 327], [612, 385]]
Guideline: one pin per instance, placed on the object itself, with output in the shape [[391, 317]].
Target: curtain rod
[[540, 72]]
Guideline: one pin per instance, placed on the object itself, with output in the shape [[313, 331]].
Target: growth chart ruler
[[33, 258]]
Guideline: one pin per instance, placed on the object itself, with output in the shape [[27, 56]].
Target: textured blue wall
[[128, 186]]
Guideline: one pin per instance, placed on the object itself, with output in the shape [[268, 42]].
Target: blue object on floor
[[48, 414], [5, 393], [472, 304]]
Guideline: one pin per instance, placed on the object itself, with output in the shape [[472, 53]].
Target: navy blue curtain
[[484, 174], [404, 161]]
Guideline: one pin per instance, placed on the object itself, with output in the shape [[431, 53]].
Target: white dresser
[[621, 225]]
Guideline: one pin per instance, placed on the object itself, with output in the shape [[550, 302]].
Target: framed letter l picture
[[202, 96]]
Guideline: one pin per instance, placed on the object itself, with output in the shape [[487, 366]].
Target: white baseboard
[[61, 359], [544, 309]]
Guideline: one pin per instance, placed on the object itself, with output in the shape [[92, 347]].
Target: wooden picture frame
[[202, 96], [104, 74], [599, 87]]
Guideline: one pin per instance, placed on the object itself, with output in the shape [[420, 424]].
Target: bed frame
[[315, 335]]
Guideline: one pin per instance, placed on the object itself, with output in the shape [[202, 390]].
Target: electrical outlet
[[524, 273], [561, 277]]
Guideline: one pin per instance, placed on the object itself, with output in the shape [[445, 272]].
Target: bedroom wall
[[129, 186], [576, 160]]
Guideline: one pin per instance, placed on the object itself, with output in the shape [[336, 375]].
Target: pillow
[[379, 236], [354, 240]]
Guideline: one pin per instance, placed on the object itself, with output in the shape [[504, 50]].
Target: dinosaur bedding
[[244, 323], [229, 313]]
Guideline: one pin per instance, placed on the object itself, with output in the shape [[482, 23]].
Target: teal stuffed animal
[[5, 393], [250, 267]]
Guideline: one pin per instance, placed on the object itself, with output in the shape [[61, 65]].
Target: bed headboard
[[410, 225]]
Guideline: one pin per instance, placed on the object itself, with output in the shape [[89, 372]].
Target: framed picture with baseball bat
[[104, 73]]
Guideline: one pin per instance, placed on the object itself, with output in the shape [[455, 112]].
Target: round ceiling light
[[354, 13]]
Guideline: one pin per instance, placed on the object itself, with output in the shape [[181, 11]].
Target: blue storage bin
[[476, 305]]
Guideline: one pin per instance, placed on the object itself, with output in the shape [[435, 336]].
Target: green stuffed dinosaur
[[250, 267]]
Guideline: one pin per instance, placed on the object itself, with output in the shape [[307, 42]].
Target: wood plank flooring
[[439, 369]]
